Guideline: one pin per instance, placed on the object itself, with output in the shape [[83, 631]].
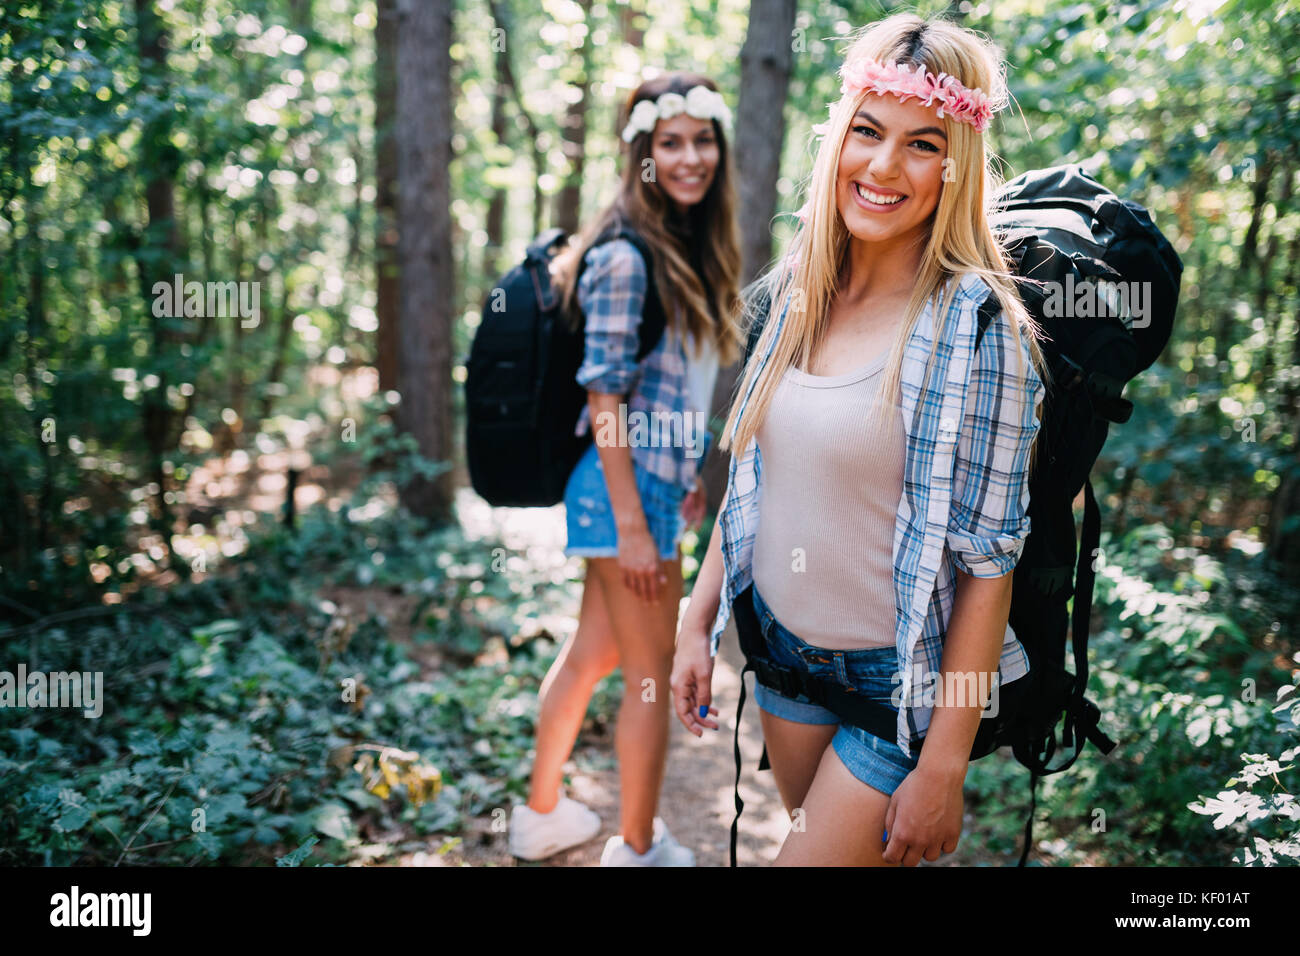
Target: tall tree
[[632, 23], [386, 269], [568, 201], [158, 250], [495, 222], [504, 64], [423, 139], [765, 63], [280, 316]]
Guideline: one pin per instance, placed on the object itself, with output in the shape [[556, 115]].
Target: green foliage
[[1268, 820], [1179, 666], [234, 740], [226, 692]]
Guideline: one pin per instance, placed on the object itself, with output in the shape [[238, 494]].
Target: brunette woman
[[637, 488]]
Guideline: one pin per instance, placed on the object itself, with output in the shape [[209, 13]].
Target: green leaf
[[74, 819], [333, 820], [297, 856]]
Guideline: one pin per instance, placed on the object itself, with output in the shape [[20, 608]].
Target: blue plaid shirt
[[965, 489], [611, 293]]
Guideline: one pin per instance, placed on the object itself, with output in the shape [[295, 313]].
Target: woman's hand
[[924, 817], [638, 559], [694, 505], [692, 677]]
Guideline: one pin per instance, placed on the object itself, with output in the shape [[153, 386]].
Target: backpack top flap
[[1106, 237]]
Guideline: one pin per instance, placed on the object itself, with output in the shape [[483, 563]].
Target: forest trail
[[696, 801]]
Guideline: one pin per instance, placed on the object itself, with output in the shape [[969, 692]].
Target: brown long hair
[[960, 242], [696, 255]]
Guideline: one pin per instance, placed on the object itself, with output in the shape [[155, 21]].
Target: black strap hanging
[[1029, 821], [740, 804]]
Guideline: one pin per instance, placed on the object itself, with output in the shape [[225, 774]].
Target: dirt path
[[696, 801]]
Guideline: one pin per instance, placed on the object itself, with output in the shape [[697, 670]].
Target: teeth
[[876, 197]]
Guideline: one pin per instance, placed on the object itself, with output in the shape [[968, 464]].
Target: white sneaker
[[664, 851], [535, 836]]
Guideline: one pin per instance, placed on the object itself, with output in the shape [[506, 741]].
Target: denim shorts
[[589, 516], [876, 762]]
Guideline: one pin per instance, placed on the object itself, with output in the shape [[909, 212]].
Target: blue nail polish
[[885, 838], [704, 711]]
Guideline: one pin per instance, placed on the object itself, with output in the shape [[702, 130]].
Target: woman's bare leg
[[844, 821], [795, 751], [586, 658], [646, 635]]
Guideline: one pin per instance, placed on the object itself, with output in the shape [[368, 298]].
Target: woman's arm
[[692, 676], [988, 524], [969, 665], [612, 294], [987, 528], [986, 535], [706, 596]]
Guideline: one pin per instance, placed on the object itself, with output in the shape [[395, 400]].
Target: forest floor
[[696, 801]]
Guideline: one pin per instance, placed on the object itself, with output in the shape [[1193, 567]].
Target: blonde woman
[[878, 491], [627, 502]]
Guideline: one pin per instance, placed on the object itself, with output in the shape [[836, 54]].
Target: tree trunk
[[632, 23], [300, 19], [283, 317], [1259, 199], [228, 435], [1284, 543], [573, 134], [501, 16], [386, 266], [765, 64], [161, 160], [36, 339], [423, 139], [496, 211]]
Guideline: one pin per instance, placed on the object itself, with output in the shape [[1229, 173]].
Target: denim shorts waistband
[[873, 660]]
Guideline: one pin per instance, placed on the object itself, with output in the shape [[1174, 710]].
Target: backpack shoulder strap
[[653, 319], [757, 299], [985, 315]]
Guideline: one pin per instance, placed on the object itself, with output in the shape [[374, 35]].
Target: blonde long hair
[[696, 256], [961, 240]]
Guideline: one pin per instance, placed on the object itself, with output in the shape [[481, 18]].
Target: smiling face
[[686, 154], [890, 171]]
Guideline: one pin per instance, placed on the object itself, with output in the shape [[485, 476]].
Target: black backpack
[[1062, 227], [522, 399]]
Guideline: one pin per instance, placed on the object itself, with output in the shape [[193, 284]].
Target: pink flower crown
[[965, 105]]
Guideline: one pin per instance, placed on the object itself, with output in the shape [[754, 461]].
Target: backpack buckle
[[1074, 375], [781, 679]]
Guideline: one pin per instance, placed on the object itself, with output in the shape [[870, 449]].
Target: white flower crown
[[699, 101]]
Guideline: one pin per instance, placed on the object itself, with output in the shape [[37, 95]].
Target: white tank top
[[823, 551]]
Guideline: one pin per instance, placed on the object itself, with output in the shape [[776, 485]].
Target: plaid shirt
[[611, 293], [965, 490]]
